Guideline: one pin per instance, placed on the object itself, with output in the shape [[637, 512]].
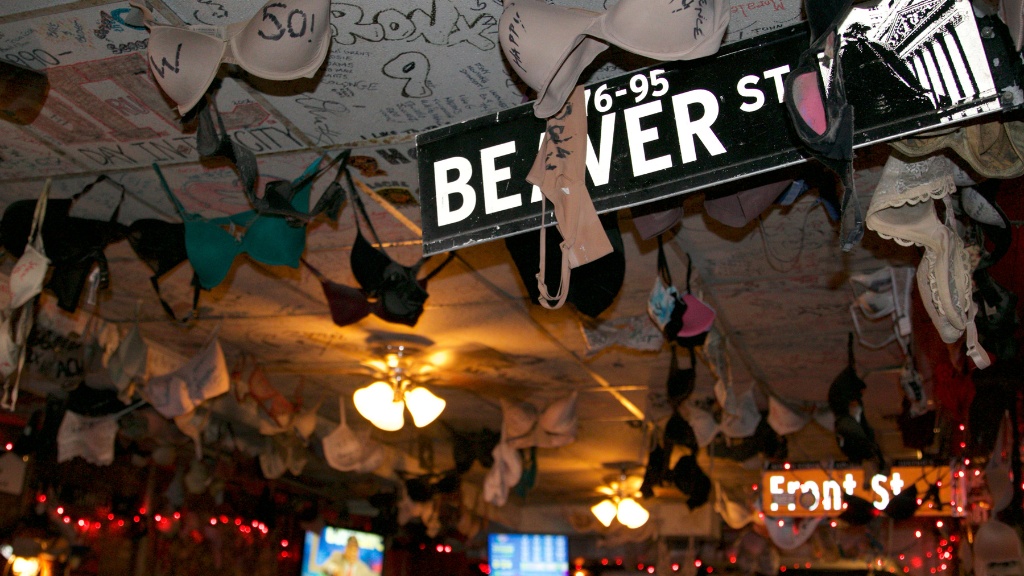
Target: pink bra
[[284, 40]]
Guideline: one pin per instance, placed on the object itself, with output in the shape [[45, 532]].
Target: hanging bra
[[75, 244], [740, 415], [553, 427], [267, 239], [284, 40], [559, 170], [389, 290], [202, 377], [903, 209], [549, 46]]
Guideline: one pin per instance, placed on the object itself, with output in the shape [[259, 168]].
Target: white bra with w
[[284, 40]]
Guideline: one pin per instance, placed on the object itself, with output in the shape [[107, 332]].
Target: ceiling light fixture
[[621, 504], [383, 403]]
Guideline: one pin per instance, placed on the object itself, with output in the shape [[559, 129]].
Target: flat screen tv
[[528, 554], [324, 553]]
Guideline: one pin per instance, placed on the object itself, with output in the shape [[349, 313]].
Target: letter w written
[[164, 64]]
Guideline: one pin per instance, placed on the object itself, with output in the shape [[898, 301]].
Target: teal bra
[[268, 239]]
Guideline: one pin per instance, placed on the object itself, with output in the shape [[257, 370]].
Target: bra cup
[[557, 423], [274, 46], [128, 360], [184, 62], [401, 306], [27, 276], [282, 46], [211, 251], [555, 426], [368, 264], [348, 305], [160, 244], [705, 428], [547, 48], [267, 239], [562, 180], [664, 31], [943, 279], [519, 421], [785, 419], [272, 241], [9, 349]]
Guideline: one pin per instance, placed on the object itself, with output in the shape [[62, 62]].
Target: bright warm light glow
[[632, 514], [605, 512], [441, 358], [424, 406], [377, 404], [24, 566]]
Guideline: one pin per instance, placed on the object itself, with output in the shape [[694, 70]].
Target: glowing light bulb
[[377, 404], [631, 514], [424, 406], [605, 512]]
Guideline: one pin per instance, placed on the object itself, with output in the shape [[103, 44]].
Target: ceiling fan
[[397, 387], [401, 367], [622, 491]]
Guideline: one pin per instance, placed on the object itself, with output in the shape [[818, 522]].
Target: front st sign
[[683, 126], [815, 492]]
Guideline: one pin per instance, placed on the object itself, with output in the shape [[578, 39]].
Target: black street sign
[[679, 127]]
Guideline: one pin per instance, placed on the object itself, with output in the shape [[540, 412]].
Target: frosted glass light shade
[[605, 512], [424, 406], [24, 566], [377, 404], [632, 514]]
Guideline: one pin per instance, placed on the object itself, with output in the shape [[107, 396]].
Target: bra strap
[[358, 201], [344, 155], [194, 313], [451, 256], [974, 349], [663, 271], [689, 271], [354, 194], [104, 178], [542, 287], [319, 275], [174, 199], [147, 14], [35, 235]]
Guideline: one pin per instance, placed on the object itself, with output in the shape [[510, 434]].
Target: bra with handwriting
[[284, 40]]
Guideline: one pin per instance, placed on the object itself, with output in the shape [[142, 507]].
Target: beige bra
[[525, 426], [549, 46], [903, 209], [284, 40]]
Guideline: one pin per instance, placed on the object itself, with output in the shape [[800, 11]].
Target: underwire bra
[[283, 40]]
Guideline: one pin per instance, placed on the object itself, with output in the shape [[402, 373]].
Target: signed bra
[[282, 41]]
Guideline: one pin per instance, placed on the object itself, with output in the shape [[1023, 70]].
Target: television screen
[[528, 554], [342, 552]]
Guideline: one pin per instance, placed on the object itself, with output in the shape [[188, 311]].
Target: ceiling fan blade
[[377, 365], [388, 338], [632, 485], [470, 357]]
